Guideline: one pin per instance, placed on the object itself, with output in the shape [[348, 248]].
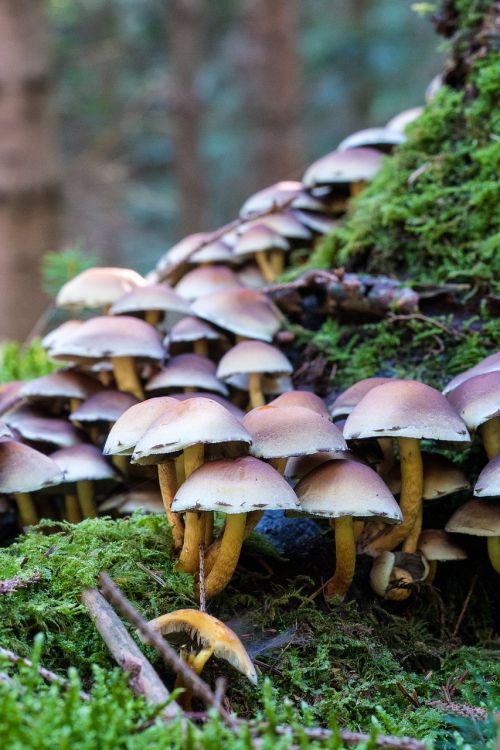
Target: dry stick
[[168, 654], [203, 598], [46, 674], [9, 585], [465, 605], [144, 680]]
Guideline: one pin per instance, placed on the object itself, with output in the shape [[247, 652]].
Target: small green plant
[[24, 361], [60, 267]]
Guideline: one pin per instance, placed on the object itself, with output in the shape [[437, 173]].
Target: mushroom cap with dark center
[[488, 364], [206, 280], [187, 371], [150, 297], [24, 469], [436, 544], [97, 287], [110, 336], [253, 356], [488, 482], [279, 433], [238, 485], [441, 477], [271, 198], [399, 122], [345, 403], [477, 399], [476, 518], [133, 423], [259, 238], [305, 399], [62, 384], [347, 488], [191, 329], [35, 426], [106, 406], [354, 165], [382, 139], [197, 421], [245, 312], [405, 408], [83, 462], [284, 223], [232, 409]]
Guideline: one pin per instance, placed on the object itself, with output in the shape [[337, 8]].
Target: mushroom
[[354, 167], [62, 386], [266, 246], [244, 312], [98, 287], [438, 546], [193, 332], [206, 280], [488, 364], [284, 223], [191, 372], [254, 358], [400, 122], [175, 261], [35, 427], [479, 518], [488, 482], [102, 409], [477, 400], [381, 139], [393, 574], [272, 198], [145, 498], [153, 301], [304, 399]]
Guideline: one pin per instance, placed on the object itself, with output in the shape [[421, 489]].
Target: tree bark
[[29, 179]]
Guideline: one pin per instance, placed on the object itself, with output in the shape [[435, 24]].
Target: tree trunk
[[273, 81], [185, 40], [29, 180]]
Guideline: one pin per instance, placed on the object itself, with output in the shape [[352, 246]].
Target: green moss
[[24, 361]]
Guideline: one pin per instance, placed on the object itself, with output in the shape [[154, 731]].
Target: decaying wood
[[9, 585], [46, 674]]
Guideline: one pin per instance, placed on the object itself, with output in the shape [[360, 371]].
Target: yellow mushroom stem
[[74, 404], [494, 552], [345, 558], [197, 663], [253, 519], [153, 317], [209, 529], [357, 188], [201, 347], [28, 515], [72, 508], [385, 445], [358, 527], [189, 389], [411, 542], [126, 376], [229, 554], [265, 266], [490, 432], [255, 389], [179, 470], [412, 481], [277, 261], [194, 528], [279, 464], [121, 463], [432, 571], [85, 492], [168, 487]]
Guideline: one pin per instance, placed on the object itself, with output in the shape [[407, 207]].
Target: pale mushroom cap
[[347, 488], [305, 399], [187, 371], [320, 223], [405, 408], [441, 477], [232, 409], [345, 403], [476, 518], [298, 466], [56, 336], [207, 631], [150, 297], [399, 122], [191, 329], [379, 138], [9, 395], [278, 433], [195, 421], [436, 544], [271, 198], [245, 312], [253, 356], [181, 252], [33, 425], [133, 423], [380, 573], [488, 364], [488, 483], [24, 469], [106, 406], [110, 336], [354, 165], [251, 277], [259, 238], [237, 485], [147, 499], [67, 384], [206, 280], [97, 287], [284, 223], [82, 462], [218, 251], [477, 399], [4, 431]]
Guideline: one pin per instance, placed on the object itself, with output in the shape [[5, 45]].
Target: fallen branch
[[9, 585], [46, 674], [458, 709]]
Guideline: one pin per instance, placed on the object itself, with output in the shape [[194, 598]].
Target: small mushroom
[[191, 331], [254, 358], [244, 312], [438, 546], [354, 167], [191, 372], [479, 518], [393, 574], [82, 465], [477, 400], [98, 287], [206, 280], [153, 301]]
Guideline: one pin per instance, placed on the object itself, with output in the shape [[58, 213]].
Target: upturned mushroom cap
[[271, 198], [238, 485], [354, 165], [477, 399], [382, 139], [187, 371], [109, 336], [106, 406], [97, 287], [399, 122], [24, 469], [347, 488], [436, 544], [206, 280], [405, 408], [150, 297], [206, 631], [133, 423], [476, 518], [259, 238], [441, 477], [232, 409], [194, 422], [34, 426], [253, 356], [488, 483], [82, 462], [245, 312], [278, 433], [305, 399], [62, 384], [488, 364], [191, 329], [345, 403]]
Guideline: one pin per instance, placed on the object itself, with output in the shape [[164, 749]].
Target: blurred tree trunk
[[185, 38], [29, 180], [273, 82], [358, 70]]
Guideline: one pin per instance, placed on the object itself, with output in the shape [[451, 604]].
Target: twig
[[430, 321], [143, 678], [459, 709], [465, 605], [9, 585], [203, 598], [46, 674], [168, 654]]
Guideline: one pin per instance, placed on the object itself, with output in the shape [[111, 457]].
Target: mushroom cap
[[441, 477], [271, 198], [35, 426], [133, 423], [305, 399], [54, 337], [24, 469], [405, 408], [353, 165], [5, 430], [196, 421], [436, 544], [279, 433], [237, 485], [148, 499], [217, 251], [9, 395], [80, 462], [345, 403], [347, 488], [399, 122], [389, 567], [253, 357], [298, 466], [191, 329], [476, 518], [96, 287], [488, 364], [316, 221], [110, 336], [232, 409], [382, 139], [106, 406], [181, 252], [206, 280], [150, 297], [209, 632], [62, 384], [259, 238], [245, 312], [187, 371], [271, 385], [488, 482], [284, 223], [477, 399]]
